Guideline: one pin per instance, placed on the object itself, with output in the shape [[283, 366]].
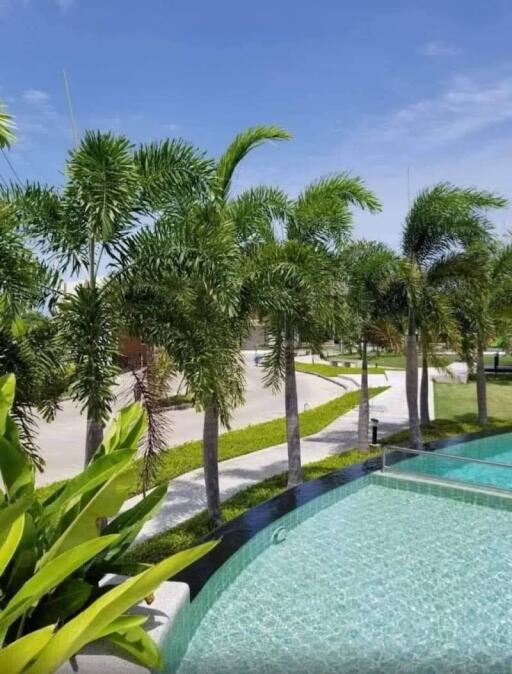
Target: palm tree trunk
[[292, 415], [411, 382], [481, 386], [364, 403], [211, 462], [424, 408], [93, 438]]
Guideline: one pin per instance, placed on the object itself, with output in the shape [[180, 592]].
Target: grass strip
[[333, 370], [188, 533], [439, 429], [188, 456]]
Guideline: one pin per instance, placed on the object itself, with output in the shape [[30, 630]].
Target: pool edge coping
[[237, 532]]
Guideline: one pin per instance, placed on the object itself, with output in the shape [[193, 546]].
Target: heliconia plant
[[54, 553]]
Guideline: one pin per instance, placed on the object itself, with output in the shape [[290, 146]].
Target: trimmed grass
[[333, 370], [456, 411], [186, 457], [190, 532], [445, 428], [504, 360], [458, 401], [391, 360]]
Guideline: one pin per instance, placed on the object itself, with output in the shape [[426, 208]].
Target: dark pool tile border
[[234, 534]]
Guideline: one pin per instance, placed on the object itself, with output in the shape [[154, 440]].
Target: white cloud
[[64, 4], [171, 127], [36, 97], [465, 107], [435, 48]]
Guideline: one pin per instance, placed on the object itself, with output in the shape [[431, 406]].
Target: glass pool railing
[[452, 467]]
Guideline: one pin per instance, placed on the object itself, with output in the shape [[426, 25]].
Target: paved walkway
[[62, 441], [186, 494]]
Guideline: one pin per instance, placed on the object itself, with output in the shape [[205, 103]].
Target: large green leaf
[[49, 576], [105, 503], [7, 390], [139, 646], [10, 513], [123, 623], [97, 473], [130, 522], [9, 543], [25, 559], [125, 432], [16, 468], [86, 627], [15, 656], [67, 599]]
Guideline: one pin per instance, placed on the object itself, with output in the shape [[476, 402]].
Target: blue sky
[[372, 87]]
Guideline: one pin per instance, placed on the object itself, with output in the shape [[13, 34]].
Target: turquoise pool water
[[382, 576], [496, 448]]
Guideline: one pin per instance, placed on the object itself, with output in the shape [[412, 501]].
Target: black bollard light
[[375, 425], [496, 360]]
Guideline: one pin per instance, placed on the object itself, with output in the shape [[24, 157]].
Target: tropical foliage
[[443, 223], [185, 288], [6, 128], [54, 554], [369, 268], [299, 290]]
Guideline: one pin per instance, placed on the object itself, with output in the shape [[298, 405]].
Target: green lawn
[[191, 531], [439, 429], [504, 360], [456, 411], [458, 401], [188, 456], [454, 399], [333, 370], [391, 360]]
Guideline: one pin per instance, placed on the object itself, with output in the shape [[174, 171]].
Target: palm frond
[[88, 329], [242, 144], [103, 184], [254, 212], [322, 212], [172, 171], [7, 128], [445, 216]]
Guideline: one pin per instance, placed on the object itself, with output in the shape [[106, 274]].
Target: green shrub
[[54, 553]]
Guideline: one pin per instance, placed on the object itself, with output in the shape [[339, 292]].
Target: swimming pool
[[487, 461], [381, 575]]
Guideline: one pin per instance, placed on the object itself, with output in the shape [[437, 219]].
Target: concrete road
[[62, 442]]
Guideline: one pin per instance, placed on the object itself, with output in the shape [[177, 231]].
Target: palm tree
[[7, 127], [443, 221], [189, 267], [298, 271], [28, 342], [84, 229], [369, 268], [484, 310]]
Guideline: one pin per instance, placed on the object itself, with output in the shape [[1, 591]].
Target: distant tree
[[484, 309], [442, 223], [303, 292], [87, 224], [369, 268], [186, 288]]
